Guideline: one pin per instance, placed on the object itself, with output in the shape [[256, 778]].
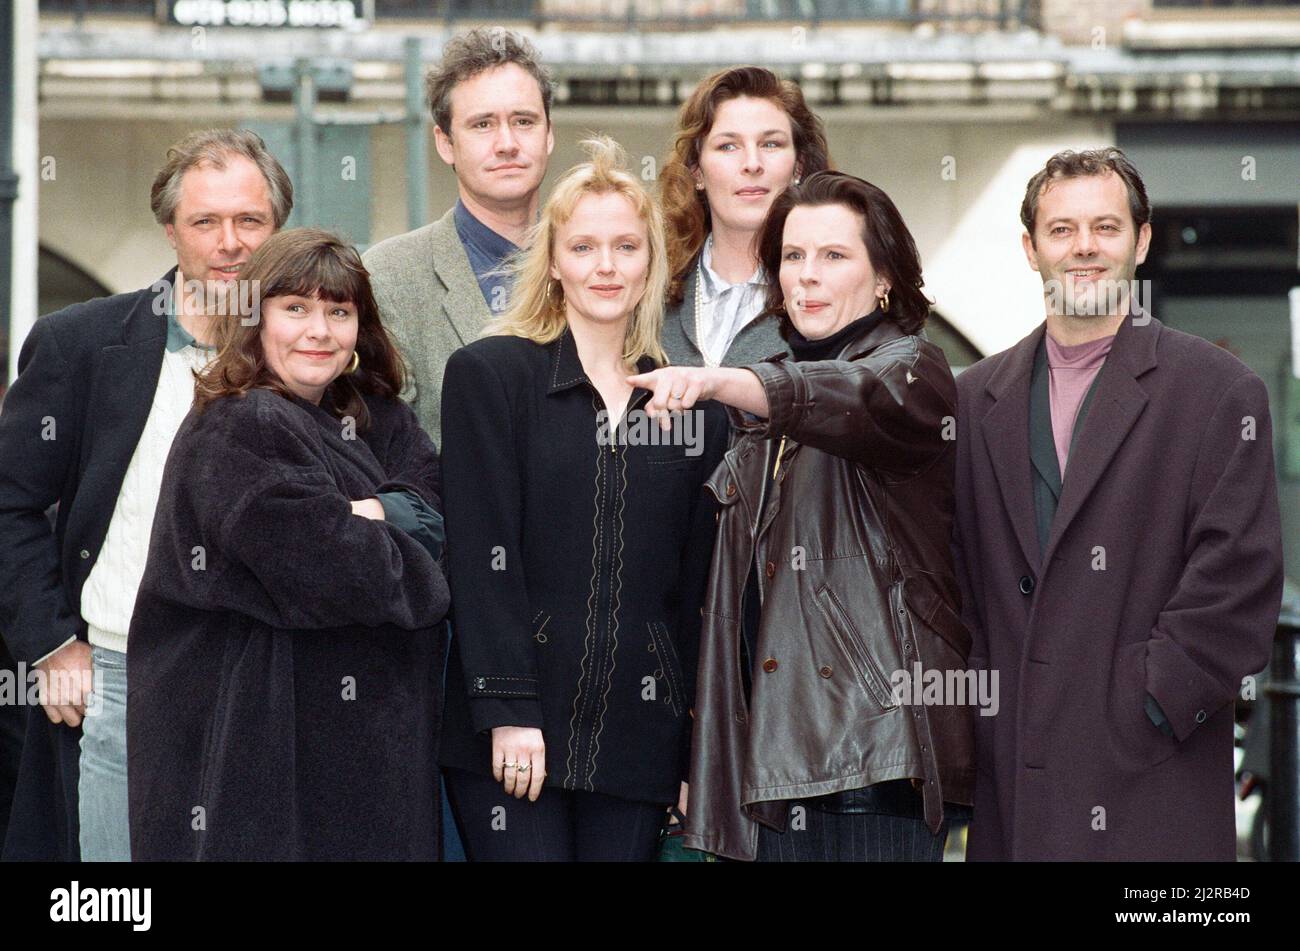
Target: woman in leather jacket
[[832, 600]]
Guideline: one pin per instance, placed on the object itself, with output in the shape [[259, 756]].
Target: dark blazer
[[1162, 574], [577, 570], [71, 421], [289, 685]]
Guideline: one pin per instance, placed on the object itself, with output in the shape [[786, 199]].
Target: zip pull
[[779, 452]]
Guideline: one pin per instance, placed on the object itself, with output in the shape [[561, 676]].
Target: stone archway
[[62, 282]]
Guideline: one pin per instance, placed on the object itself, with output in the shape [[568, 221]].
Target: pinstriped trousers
[[812, 835]]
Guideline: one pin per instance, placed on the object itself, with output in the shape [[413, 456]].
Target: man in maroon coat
[[1118, 545]]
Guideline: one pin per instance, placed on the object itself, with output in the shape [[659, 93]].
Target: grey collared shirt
[[725, 308], [178, 337]]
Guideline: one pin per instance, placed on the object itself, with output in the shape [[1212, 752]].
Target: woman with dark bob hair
[[286, 652], [832, 599], [742, 136]]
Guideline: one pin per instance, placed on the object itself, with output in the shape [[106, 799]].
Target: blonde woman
[[579, 541]]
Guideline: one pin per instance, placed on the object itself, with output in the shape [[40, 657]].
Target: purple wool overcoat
[[1162, 574]]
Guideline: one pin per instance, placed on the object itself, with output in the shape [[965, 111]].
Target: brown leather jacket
[[856, 577]]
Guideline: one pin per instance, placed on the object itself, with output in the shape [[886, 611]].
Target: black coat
[[1161, 575], [284, 689], [577, 570], [90, 372]]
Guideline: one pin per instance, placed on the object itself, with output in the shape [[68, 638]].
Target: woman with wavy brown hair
[[286, 655], [742, 137]]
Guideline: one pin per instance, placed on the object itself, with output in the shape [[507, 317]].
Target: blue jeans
[[101, 790]]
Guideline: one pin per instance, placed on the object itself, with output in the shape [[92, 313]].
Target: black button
[[1200, 716], [1026, 585]]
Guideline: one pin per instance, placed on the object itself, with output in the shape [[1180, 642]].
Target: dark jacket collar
[[146, 320], [1134, 349], [871, 337], [566, 367]]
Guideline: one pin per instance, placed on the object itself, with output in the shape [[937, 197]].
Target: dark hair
[[889, 244], [1070, 164], [306, 262], [686, 212], [214, 147], [468, 54]]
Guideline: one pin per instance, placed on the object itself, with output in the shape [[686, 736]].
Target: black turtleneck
[[828, 348]]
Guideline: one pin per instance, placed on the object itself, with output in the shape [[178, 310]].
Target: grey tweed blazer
[[757, 340], [430, 300]]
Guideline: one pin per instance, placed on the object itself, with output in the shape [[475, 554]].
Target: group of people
[[626, 519]]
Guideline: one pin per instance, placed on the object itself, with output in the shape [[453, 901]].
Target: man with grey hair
[[490, 98], [101, 389]]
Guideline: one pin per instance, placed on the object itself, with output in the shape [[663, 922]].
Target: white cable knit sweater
[[108, 598]]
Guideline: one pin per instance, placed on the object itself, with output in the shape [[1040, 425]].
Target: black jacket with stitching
[[577, 565]]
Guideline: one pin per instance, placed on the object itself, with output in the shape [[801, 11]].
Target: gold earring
[[699, 187], [356, 362], [884, 303]]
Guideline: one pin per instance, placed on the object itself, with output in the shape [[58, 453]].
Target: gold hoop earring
[[356, 362], [884, 303]]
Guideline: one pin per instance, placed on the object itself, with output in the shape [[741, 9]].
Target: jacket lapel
[[463, 304], [686, 312], [1005, 430], [1118, 403], [125, 382]]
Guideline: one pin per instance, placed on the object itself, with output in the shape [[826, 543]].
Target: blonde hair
[[536, 310]]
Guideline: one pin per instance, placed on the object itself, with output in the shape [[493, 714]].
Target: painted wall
[[957, 182]]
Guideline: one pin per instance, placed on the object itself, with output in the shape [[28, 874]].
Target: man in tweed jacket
[[437, 286]]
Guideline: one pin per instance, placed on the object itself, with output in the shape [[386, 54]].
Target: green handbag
[[671, 848]]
